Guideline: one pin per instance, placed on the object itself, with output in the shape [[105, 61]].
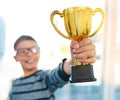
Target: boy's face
[[27, 53]]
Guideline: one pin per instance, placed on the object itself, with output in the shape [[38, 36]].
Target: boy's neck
[[30, 72]]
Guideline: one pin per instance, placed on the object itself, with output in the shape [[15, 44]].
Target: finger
[[88, 60], [74, 45], [85, 48], [85, 42], [85, 55]]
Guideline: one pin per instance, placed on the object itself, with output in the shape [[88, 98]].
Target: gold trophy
[[78, 23]]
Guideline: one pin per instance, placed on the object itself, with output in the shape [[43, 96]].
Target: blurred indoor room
[[32, 17]]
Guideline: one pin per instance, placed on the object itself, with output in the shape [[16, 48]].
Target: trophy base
[[82, 73]]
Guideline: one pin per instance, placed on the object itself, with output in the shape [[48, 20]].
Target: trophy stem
[[76, 62]]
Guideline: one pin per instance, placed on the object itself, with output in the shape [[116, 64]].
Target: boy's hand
[[83, 51]]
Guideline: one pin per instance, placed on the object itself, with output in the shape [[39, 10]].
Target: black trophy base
[[82, 73]]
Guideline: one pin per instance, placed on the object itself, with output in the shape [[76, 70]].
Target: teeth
[[30, 61]]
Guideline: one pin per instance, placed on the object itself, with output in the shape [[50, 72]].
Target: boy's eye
[[22, 51]]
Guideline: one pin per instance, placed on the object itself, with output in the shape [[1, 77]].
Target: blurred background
[[32, 17]]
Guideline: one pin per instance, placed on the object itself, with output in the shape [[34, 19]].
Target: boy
[[41, 84]]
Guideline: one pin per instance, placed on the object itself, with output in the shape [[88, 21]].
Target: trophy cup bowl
[[78, 23]]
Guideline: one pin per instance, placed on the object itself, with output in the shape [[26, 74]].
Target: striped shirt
[[40, 85]]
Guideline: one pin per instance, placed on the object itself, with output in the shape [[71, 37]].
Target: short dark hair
[[21, 38]]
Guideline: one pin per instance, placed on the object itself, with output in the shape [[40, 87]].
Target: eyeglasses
[[24, 51]]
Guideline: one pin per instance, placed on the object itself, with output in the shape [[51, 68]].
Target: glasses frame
[[25, 51]]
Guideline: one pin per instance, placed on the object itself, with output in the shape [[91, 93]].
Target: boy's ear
[[16, 59]]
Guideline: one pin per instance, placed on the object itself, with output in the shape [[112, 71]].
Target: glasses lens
[[22, 52], [35, 50]]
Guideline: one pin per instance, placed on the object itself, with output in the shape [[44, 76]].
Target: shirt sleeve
[[61, 72], [57, 78]]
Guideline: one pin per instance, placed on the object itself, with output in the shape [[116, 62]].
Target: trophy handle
[[102, 20], [54, 25]]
